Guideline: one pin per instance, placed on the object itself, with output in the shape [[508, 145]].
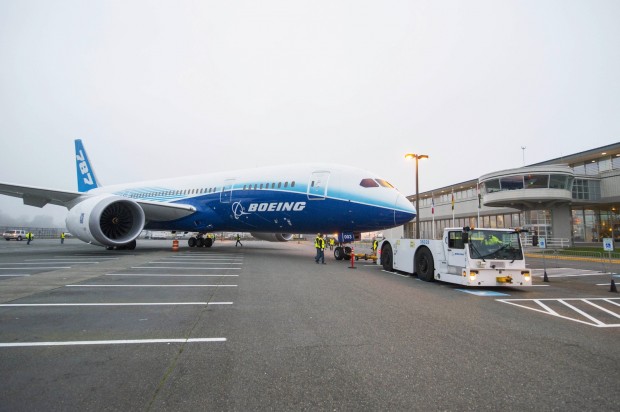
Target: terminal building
[[570, 200]]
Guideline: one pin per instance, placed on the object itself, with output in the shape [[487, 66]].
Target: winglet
[[86, 178]]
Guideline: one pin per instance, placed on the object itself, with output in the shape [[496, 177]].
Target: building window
[[511, 182], [592, 168], [604, 164], [491, 186], [579, 169], [536, 181], [558, 182]]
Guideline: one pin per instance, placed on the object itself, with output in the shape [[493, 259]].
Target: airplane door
[[317, 187], [226, 195]]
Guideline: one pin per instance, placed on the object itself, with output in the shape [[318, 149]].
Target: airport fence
[[38, 232]]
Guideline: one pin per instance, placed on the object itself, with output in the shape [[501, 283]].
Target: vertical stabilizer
[[86, 178]]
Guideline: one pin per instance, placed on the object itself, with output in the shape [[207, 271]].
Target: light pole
[[417, 194]]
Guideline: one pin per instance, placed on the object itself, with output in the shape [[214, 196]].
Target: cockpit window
[[384, 183], [368, 183]]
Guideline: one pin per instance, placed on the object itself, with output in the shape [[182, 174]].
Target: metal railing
[[552, 242], [604, 262]]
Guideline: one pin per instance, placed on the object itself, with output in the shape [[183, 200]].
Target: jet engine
[[106, 220], [273, 237]]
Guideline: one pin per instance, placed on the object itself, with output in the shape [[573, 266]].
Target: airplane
[[271, 203]]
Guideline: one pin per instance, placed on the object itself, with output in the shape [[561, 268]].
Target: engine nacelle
[[273, 237], [106, 220]]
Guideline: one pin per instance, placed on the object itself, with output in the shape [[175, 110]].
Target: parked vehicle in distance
[[18, 235]]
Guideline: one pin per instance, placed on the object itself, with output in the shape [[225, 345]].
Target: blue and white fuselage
[[293, 199], [278, 201]]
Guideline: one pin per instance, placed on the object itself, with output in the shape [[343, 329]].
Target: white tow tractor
[[465, 256]]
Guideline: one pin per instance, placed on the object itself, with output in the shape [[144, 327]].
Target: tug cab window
[[369, 183], [455, 240]]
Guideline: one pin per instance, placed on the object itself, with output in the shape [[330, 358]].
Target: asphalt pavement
[[262, 327]]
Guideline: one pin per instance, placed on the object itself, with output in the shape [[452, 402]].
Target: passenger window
[[279, 184], [368, 183], [293, 183], [286, 184]]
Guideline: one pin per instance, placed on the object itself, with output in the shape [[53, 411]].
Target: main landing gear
[[342, 252], [200, 241]]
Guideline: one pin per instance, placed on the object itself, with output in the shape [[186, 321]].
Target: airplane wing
[[39, 197]]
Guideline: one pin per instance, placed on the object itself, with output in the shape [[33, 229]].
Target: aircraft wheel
[[425, 265], [338, 253], [191, 242], [208, 242], [387, 259], [347, 252], [200, 242]]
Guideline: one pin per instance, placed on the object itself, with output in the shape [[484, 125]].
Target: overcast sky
[[168, 88]]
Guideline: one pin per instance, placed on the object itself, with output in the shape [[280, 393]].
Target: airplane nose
[[404, 211]]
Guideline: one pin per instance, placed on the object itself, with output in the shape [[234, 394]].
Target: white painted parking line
[[176, 259], [65, 258], [94, 256], [166, 275], [567, 272], [397, 274], [38, 267], [43, 263], [181, 267], [12, 275], [197, 263], [149, 286], [114, 304], [109, 342], [544, 306]]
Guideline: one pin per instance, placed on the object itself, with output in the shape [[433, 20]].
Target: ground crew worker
[[238, 240], [375, 245], [29, 237], [332, 242], [62, 237], [319, 244], [492, 240]]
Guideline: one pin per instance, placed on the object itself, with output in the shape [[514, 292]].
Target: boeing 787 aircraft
[[271, 203]]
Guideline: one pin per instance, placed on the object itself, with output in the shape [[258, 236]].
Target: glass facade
[[591, 225], [587, 189], [592, 217], [528, 181]]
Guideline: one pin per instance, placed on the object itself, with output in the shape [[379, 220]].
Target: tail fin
[[86, 178]]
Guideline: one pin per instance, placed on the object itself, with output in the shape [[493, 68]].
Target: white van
[[18, 235]]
